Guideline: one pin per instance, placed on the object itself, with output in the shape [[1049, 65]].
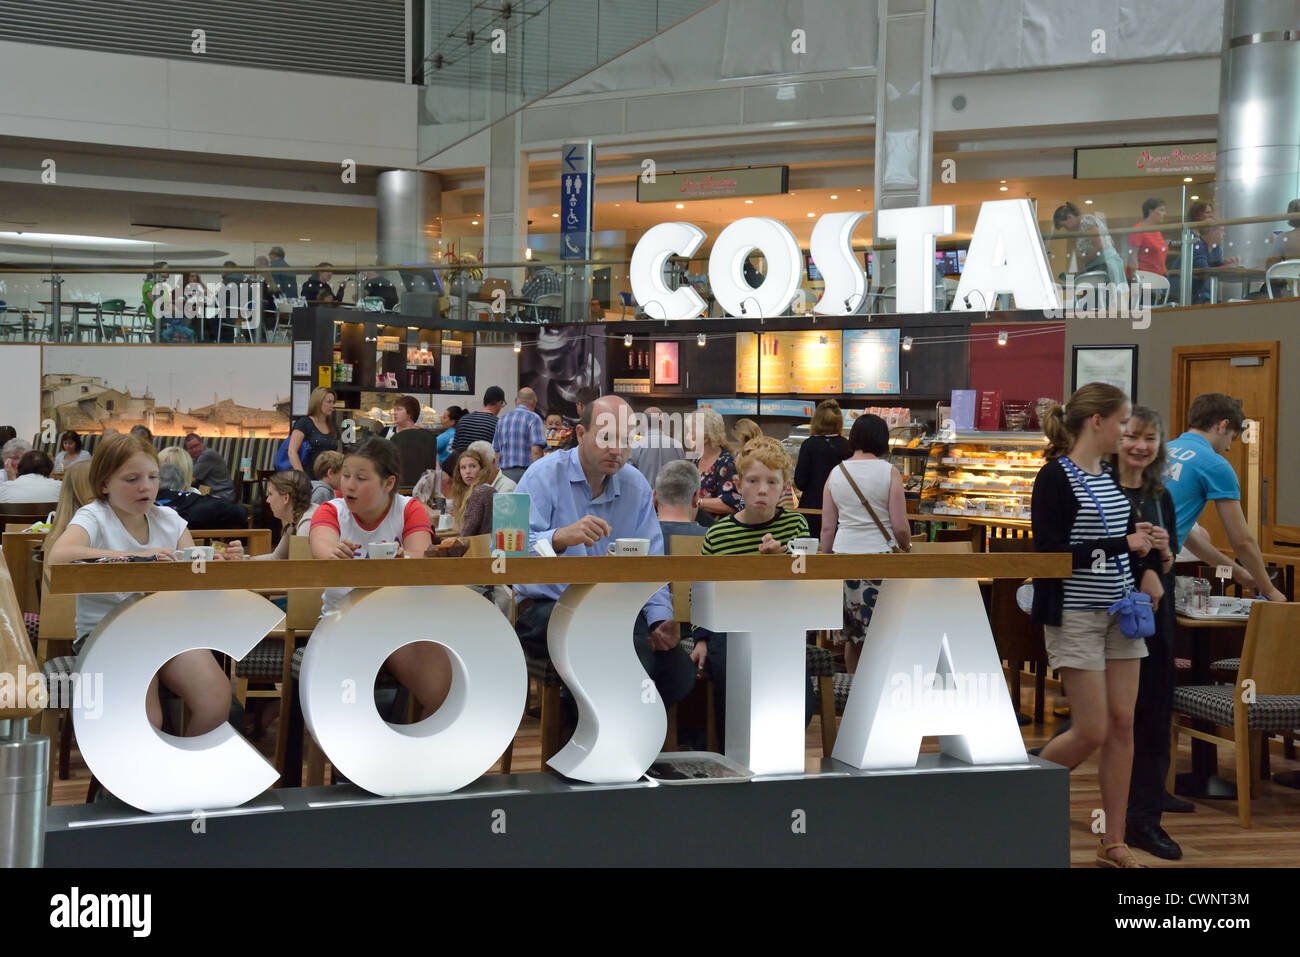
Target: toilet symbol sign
[[575, 200]]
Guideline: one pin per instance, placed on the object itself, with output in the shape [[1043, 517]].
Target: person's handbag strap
[[1122, 556], [893, 543]]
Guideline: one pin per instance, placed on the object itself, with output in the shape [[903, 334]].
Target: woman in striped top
[[1078, 508]]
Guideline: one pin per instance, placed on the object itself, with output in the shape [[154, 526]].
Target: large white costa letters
[[774, 240], [458, 742], [621, 721], [1006, 255], [766, 624], [646, 271], [147, 769], [831, 246], [892, 704], [914, 231]]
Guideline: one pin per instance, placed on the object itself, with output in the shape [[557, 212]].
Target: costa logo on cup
[[381, 550], [630, 546]]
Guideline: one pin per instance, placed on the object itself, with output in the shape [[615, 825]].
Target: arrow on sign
[[571, 157]]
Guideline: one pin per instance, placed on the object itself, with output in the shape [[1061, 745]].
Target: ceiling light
[[519, 347], [1187, 179], [473, 222], [811, 215], [555, 215], [700, 339], [69, 239], [1002, 181], [627, 340], [303, 239], [834, 196], [1087, 202], [1002, 189], [749, 202], [907, 343], [681, 205], [1196, 197], [1002, 338], [528, 252]]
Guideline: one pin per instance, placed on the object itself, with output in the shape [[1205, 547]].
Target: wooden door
[[1246, 371]]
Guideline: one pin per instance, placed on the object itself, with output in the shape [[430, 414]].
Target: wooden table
[[1203, 780]]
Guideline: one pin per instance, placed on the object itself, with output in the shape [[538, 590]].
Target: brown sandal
[[1124, 860]]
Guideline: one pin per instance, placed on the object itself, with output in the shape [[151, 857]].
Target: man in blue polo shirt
[[582, 499], [1196, 472]]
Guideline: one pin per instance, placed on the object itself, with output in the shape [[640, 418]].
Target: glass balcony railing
[[486, 61], [1099, 246]]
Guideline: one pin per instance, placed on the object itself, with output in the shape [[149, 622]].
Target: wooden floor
[[1210, 837]]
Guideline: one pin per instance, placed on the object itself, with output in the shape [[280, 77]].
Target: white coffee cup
[[804, 546], [381, 550], [189, 554], [630, 546]]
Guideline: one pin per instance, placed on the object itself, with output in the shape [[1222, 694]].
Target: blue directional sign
[[576, 178]]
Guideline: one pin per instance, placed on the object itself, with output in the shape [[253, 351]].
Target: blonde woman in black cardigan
[[1078, 508]]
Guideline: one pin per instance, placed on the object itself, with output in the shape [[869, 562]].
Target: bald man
[[582, 500], [520, 439]]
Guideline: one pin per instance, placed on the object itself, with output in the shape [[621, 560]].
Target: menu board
[[792, 363], [871, 361]]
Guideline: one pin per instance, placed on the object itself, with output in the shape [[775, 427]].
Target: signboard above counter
[[1123, 162], [714, 184]]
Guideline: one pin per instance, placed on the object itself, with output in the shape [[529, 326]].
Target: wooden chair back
[[944, 548], [302, 605], [15, 646], [18, 552], [257, 541], [26, 513], [1011, 544], [681, 591], [1270, 654], [955, 535]]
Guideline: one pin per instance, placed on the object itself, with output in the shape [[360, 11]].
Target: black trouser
[[1151, 720], [672, 671]]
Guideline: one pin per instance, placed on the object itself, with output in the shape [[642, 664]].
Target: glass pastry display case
[[975, 474]]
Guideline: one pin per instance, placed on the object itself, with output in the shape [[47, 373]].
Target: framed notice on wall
[[1114, 365], [871, 361]]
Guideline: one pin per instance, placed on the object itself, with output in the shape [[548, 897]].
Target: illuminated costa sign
[[896, 698], [1006, 256]]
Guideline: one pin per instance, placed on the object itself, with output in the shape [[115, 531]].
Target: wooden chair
[[26, 513], [54, 653], [270, 664], [1264, 700], [961, 547], [19, 547], [1018, 639], [257, 541]]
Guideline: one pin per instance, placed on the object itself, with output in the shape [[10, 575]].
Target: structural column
[[904, 114], [1259, 121], [505, 200], [408, 203]]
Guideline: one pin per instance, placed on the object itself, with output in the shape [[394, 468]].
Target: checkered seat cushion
[[384, 680], [820, 662], [263, 663], [1270, 712], [843, 682], [59, 665], [1226, 666]]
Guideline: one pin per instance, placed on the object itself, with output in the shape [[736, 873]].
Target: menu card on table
[[510, 523]]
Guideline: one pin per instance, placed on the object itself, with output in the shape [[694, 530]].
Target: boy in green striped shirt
[[762, 527]]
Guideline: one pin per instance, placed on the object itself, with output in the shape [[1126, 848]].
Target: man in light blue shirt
[[581, 500], [1196, 472]]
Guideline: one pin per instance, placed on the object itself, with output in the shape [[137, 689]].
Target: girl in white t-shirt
[[367, 511], [124, 521]]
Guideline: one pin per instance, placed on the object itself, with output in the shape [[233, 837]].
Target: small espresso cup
[[381, 550], [804, 546], [193, 552], [630, 546]]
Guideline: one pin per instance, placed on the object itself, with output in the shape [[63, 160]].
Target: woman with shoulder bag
[[863, 513], [1077, 507]]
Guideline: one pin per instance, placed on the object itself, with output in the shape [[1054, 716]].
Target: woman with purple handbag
[[1094, 621]]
